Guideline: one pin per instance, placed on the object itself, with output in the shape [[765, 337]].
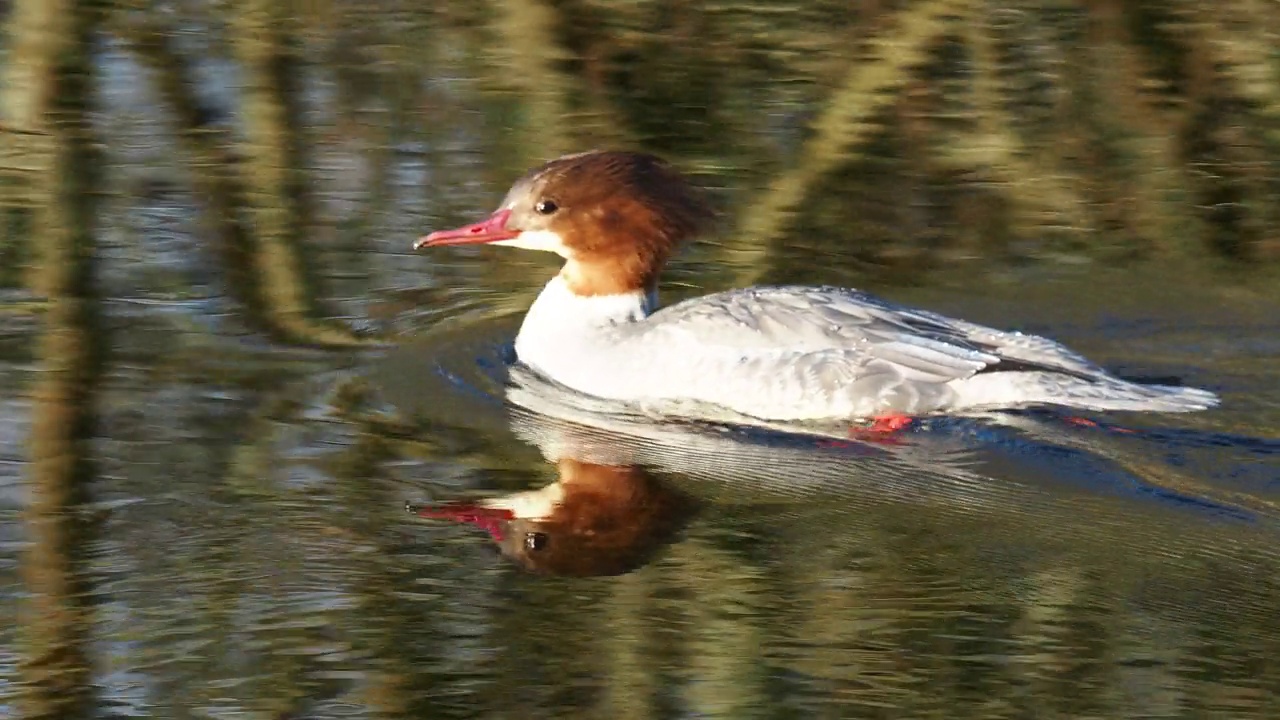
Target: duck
[[595, 520], [790, 353]]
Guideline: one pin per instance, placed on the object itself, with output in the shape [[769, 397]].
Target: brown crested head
[[615, 216], [609, 521], [595, 520]]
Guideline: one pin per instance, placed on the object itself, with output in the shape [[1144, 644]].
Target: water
[[254, 551], [253, 555]]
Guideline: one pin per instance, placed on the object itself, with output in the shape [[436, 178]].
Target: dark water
[[254, 554]]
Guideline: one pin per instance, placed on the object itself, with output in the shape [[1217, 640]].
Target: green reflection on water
[[252, 556]]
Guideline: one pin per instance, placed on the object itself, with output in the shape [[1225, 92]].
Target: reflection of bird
[[628, 483], [594, 520], [608, 512], [772, 353]]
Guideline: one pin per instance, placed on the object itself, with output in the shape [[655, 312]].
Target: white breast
[[609, 347], [799, 353]]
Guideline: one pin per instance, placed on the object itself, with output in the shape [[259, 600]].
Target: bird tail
[[1004, 389]]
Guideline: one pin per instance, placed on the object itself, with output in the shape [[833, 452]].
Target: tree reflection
[[251, 547]]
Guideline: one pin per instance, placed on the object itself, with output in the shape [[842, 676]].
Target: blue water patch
[[1087, 470]]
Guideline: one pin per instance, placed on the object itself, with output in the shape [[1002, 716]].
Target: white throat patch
[[531, 504], [544, 240]]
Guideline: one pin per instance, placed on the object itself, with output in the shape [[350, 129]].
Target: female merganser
[[775, 353]]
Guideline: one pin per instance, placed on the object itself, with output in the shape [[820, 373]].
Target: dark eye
[[535, 541], [545, 207]]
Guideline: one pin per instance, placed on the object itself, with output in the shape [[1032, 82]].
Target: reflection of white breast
[[770, 461]]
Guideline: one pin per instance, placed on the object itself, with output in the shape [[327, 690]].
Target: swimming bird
[[777, 353]]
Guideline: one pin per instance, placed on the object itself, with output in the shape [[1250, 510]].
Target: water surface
[[254, 546], [252, 553]]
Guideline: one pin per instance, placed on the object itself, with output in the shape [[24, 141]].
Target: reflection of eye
[[535, 541], [545, 207]]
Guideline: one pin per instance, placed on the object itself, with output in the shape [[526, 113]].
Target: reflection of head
[[595, 520]]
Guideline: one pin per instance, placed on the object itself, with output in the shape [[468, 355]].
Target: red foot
[[1086, 422], [883, 428], [890, 423]]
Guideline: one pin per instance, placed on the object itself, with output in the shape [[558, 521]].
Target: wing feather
[[835, 322]]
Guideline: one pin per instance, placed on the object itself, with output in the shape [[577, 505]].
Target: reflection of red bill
[[489, 519]]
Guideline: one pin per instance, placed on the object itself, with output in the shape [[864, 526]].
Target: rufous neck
[[626, 306], [611, 276]]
